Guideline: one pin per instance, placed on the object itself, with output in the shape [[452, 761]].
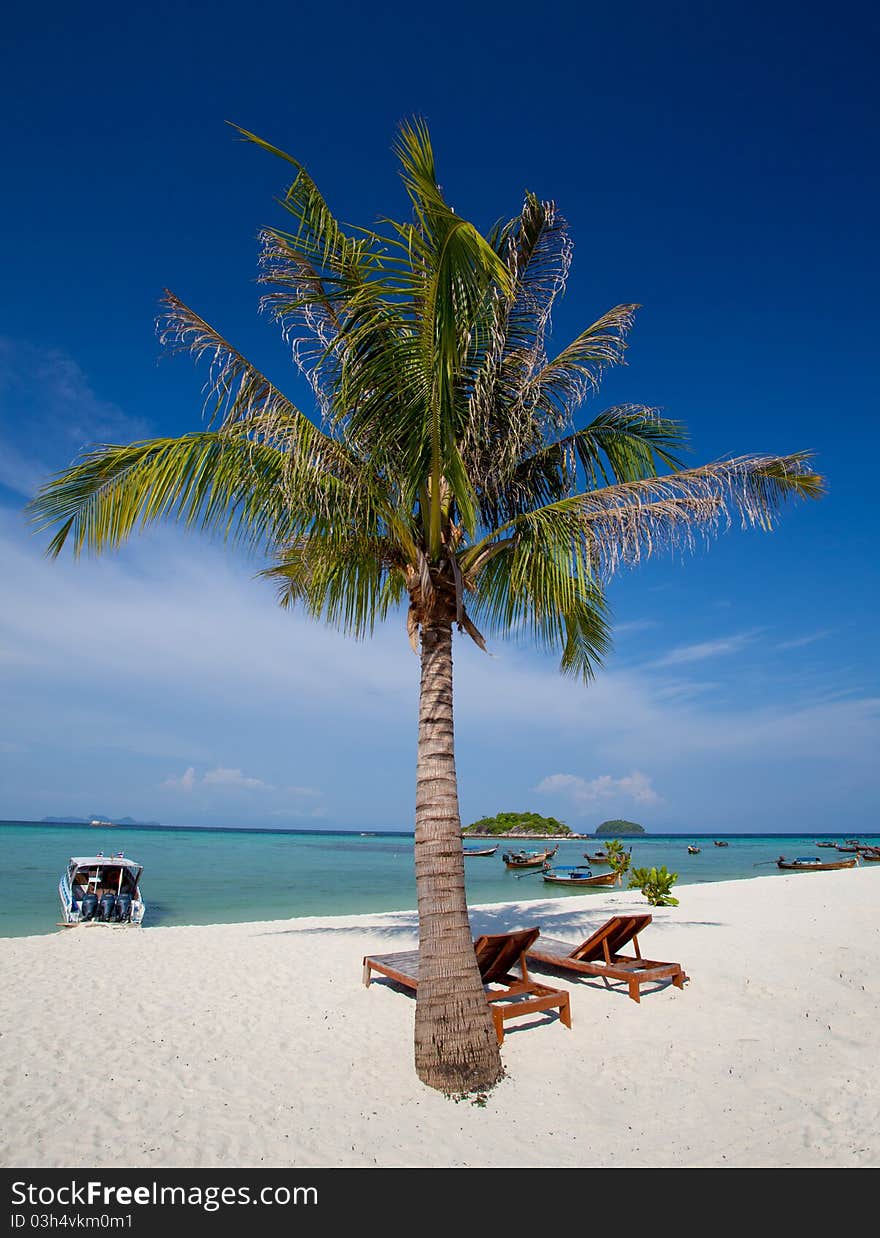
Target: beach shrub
[[655, 884], [618, 858]]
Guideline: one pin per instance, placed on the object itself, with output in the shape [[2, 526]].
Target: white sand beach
[[257, 1045]]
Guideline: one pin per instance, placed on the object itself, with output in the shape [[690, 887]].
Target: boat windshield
[[102, 879]]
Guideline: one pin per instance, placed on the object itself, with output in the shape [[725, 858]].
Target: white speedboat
[[101, 889]]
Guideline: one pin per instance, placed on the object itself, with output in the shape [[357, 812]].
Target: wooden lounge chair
[[600, 955], [496, 955]]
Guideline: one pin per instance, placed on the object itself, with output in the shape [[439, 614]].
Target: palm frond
[[211, 481], [537, 586], [349, 581], [236, 390], [508, 347], [623, 523], [625, 443], [563, 384]]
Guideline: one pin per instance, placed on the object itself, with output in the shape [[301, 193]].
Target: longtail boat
[[873, 854], [720, 843], [601, 857], [812, 864], [481, 850], [692, 850], [826, 844], [527, 859], [577, 875], [845, 847]]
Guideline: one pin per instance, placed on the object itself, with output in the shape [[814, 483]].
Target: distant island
[[618, 827], [98, 816], [519, 824]]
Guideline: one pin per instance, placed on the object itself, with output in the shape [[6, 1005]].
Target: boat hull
[[536, 860], [792, 866], [601, 879]]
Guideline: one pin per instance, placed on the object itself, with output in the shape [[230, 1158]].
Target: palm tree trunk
[[455, 1044]]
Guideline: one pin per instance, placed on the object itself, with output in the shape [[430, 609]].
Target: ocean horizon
[[225, 874]]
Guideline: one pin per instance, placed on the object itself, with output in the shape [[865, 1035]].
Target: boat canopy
[[106, 861]]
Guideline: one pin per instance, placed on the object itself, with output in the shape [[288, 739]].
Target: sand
[[252, 1045]]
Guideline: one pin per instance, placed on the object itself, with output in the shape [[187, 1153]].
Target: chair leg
[[498, 1019], [367, 972], [565, 1011], [634, 990], [678, 980]]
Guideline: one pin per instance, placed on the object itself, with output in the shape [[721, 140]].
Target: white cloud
[[705, 649], [185, 782], [582, 794], [234, 778], [217, 777]]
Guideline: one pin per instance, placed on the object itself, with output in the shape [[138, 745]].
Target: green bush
[[618, 858], [655, 884]]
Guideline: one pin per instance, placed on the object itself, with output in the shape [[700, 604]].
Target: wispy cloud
[[703, 650], [48, 407], [800, 641], [584, 795], [20, 473]]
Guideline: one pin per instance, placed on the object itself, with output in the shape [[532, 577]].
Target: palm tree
[[447, 472]]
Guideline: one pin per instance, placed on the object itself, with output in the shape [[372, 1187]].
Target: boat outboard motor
[[123, 907], [108, 905], [88, 908]]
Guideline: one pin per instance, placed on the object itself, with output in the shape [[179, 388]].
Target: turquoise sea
[[211, 876]]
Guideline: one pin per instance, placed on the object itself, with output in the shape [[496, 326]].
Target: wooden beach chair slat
[[599, 956], [496, 955]]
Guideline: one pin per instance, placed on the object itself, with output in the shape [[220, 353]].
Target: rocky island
[[518, 825]]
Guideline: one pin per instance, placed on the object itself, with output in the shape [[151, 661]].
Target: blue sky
[[718, 167]]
